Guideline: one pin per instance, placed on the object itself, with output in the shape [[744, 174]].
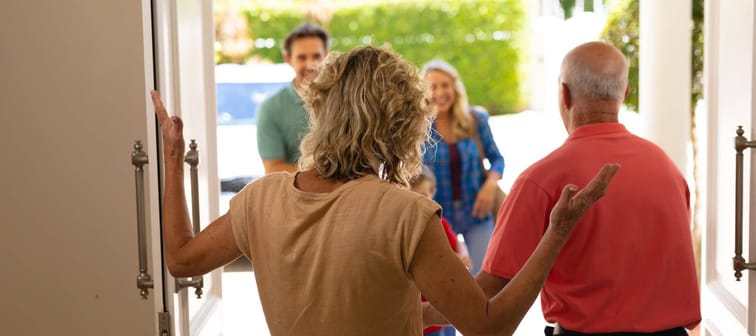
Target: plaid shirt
[[436, 157]]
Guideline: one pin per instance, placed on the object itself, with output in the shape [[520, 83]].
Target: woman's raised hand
[[573, 203], [172, 128]]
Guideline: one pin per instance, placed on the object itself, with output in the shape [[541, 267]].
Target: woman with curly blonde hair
[[368, 118], [343, 246], [455, 155]]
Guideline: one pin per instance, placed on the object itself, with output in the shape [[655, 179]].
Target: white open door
[[73, 100], [729, 306], [185, 72]]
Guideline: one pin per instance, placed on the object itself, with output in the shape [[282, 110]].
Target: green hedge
[[483, 39]]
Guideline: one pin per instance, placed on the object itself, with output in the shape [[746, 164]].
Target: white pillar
[[664, 75]]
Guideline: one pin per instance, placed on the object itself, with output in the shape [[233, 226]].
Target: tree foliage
[[622, 31], [697, 53], [568, 7], [483, 39]]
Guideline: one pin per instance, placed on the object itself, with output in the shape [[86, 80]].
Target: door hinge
[[164, 324]]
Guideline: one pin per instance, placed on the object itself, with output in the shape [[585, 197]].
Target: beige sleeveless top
[[333, 263]]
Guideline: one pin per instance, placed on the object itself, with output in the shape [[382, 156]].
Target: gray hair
[[598, 81]]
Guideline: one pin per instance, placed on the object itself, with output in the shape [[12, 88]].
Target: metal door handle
[[195, 282], [738, 263], [192, 159], [139, 159]]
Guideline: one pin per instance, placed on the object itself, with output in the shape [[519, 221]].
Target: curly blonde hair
[[367, 116], [463, 124]]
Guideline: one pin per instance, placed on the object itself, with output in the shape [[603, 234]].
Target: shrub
[[483, 39]]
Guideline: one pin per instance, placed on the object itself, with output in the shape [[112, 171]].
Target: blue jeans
[[447, 331], [476, 238]]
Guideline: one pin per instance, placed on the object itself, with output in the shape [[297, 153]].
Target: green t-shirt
[[282, 122]]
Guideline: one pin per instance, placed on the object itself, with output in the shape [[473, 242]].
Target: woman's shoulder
[[267, 181], [374, 184], [393, 193], [478, 112], [408, 199], [276, 178]]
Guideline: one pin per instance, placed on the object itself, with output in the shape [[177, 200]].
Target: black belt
[[679, 331]]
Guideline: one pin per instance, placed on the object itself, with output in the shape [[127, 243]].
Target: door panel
[[73, 100], [729, 103]]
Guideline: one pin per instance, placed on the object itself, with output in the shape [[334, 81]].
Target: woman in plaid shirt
[[464, 192]]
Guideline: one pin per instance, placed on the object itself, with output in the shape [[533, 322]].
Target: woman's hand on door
[[172, 128]]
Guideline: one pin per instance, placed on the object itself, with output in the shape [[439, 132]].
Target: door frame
[[186, 81], [722, 311]]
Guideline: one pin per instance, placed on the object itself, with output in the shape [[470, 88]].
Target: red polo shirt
[[628, 265]]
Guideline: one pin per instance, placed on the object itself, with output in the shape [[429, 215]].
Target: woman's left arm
[[485, 198], [489, 146], [187, 255]]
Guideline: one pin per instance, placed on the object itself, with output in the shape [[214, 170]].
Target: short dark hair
[[305, 30]]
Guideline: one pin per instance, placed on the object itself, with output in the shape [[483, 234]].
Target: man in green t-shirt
[[282, 120]]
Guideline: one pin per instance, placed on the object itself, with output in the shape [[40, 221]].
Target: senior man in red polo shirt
[[628, 267]]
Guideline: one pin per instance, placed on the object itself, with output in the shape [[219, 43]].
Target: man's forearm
[[431, 316], [490, 284], [291, 168], [527, 283]]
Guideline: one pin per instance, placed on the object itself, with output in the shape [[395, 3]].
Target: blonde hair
[[463, 124], [367, 116]]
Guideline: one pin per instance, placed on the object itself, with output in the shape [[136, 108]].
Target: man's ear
[[565, 95], [627, 92], [287, 59]]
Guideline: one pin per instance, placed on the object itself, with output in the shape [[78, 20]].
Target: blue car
[[239, 91], [241, 88]]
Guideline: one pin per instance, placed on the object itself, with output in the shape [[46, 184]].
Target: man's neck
[[298, 86], [594, 113]]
